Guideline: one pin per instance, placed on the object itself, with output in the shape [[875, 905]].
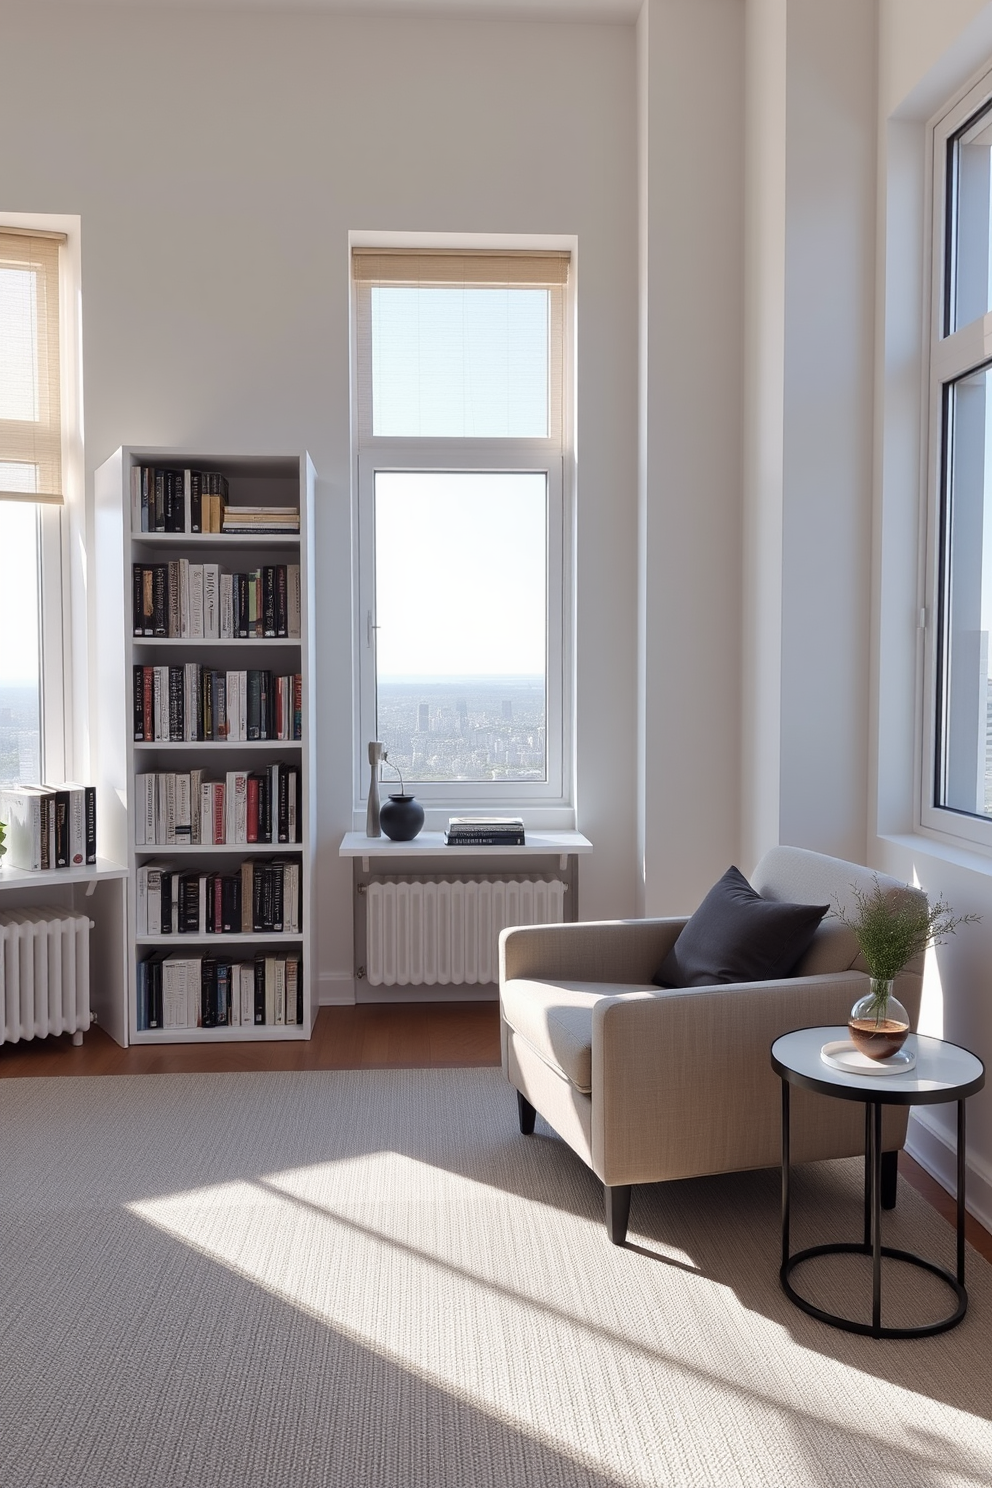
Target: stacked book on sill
[[485, 831], [178, 991], [49, 826], [261, 897]]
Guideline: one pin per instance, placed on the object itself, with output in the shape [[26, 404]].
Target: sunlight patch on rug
[[420, 1266]]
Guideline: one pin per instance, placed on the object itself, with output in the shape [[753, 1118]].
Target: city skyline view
[[476, 728]]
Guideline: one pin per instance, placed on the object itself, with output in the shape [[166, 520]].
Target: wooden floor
[[373, 1036]]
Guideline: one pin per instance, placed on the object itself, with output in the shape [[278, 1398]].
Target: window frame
[[547, 803], [61, 527]]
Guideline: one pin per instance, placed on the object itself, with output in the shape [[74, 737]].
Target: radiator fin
[[44, 973], [425, 933]]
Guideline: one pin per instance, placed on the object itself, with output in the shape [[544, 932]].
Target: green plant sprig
[[890, 932]]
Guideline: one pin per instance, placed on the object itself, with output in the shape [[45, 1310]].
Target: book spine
[[176, 715], [251, 833], [269, 601], [208, 992], [172, 598], [247, 896], [196, 601], [89, 809], [77, 826], [226, 607], [211, 602], [135, 488], [282, 808], [281, 600], [195, 500], [153, 910], [292, 806], [160, 600], [294, 606], [148, 700], [138, 599], [138, 673], [259, 989], [159, 488]]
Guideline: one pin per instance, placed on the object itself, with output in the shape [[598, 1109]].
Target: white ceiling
[[563, 10]]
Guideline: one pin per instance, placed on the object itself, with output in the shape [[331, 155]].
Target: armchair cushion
[[555, 1021], [737, 936]]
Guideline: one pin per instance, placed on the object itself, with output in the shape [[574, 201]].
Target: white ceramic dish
[[842, 1055]]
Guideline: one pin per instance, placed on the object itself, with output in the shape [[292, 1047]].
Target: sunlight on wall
[[932, 1002]]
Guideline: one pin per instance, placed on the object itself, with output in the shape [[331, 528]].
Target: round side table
[[943, 1072]]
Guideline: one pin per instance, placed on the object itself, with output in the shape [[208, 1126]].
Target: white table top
[[942, 1072]]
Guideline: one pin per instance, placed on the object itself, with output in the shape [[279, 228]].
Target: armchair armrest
[[587, 950], [682, 1079]]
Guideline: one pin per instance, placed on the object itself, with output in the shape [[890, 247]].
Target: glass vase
[[878, 1023]]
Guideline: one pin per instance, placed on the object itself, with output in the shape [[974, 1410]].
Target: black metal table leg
[[876, 1219], [961, 1173], [786, 1159], [867, 1174]]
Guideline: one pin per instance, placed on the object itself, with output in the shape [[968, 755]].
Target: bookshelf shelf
[[125, 555], [217, 849], [258, 746], [259, 939], [199, 642], [276, 1034], [232, 540]]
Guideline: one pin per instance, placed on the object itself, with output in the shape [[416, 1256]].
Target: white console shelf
[[561, 845]]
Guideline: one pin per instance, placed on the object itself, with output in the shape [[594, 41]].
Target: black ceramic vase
[[401, 818]]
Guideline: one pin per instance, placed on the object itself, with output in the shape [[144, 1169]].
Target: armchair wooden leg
[[617, 1210], [526, 1113], [890, 1174]]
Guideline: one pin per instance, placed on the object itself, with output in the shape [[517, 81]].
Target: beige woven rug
[[360, 1278]]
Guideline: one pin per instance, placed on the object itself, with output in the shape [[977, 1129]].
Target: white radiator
[[44, 974], [421, 933]]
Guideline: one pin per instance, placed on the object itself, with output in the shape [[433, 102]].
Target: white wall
[[217, 160], [691, 326], [808, 432]]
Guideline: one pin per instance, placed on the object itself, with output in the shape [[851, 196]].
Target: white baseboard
[[488, 992], [929, 1145], [335, 989]]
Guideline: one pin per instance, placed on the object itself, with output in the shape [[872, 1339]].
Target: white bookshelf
[[253, 480]]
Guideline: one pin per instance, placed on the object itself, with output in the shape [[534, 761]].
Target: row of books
[[261, 897], [49, 826], [485, 831], [181, 600], [191, 703], [178, 991], [182, 808], [167, 500]]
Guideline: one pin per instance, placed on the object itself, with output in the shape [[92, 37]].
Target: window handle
[[370, 626]]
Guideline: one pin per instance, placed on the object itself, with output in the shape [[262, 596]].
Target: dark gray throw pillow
[[736, 936]]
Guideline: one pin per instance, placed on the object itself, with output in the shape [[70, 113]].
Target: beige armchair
[[647, 1084]]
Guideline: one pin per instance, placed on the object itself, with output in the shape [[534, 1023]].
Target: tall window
[[31, 673], [463, 586]]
